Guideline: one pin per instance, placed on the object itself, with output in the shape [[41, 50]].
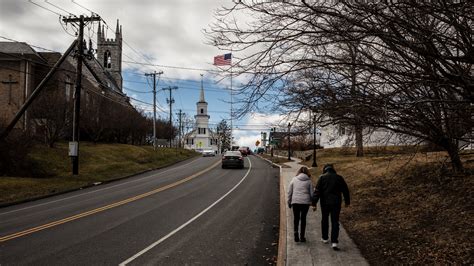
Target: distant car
[[206, 153], [260, 150], [244, 150], [232, 159]]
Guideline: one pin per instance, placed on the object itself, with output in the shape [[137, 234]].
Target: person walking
[[300, 194], [328, 189]]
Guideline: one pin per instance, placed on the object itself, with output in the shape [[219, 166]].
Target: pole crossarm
[[84, 19]]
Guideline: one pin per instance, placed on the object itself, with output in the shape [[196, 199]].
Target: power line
[[45, 8], [173, 67]]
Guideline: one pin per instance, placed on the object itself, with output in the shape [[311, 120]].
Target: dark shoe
[[302, 239], [297, 239]]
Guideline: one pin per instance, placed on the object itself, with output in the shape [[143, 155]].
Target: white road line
[[186, 223], [97, 190]]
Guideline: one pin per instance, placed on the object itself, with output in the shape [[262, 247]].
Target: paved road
[[190, 213]]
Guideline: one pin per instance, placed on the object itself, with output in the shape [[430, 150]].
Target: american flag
[[224, 59]]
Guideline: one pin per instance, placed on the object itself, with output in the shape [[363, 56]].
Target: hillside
[[407, 208], [49, 169]]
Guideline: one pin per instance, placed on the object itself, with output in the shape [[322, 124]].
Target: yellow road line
[[103, 208]]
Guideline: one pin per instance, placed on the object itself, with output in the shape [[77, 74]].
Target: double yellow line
[[100, 209]]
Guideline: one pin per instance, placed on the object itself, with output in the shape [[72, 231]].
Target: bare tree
[[410, 72], [51, 115]]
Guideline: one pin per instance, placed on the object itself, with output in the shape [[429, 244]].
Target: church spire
[[117, 29], [201, 97]]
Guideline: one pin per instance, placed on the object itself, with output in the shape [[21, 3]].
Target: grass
[[407, 208], [276, 159], [51, 168]]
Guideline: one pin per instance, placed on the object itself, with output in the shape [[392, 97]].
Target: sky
[[165, 35]]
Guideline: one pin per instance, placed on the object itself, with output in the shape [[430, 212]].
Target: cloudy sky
[[163, 35]]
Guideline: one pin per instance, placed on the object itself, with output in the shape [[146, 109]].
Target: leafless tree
[[405, 65], [51, 115]]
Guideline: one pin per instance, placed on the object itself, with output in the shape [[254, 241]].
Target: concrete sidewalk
[[313, 251]]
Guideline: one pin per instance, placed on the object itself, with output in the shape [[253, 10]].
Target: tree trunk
[[452, 149], [359, 140]]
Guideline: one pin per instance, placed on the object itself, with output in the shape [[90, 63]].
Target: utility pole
[[154, 104], [180, 128], [170, 101], [74, 144]]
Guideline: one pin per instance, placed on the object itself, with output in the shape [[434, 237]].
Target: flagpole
[[231, 103]]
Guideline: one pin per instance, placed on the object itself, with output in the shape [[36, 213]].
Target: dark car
[[232, 159], [243, 151]]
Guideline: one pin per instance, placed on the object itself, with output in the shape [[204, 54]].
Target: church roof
[[16, 48], [19, 48]]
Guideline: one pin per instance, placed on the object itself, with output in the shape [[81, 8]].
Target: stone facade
[[18, 78], [22, 69], [109, 53]]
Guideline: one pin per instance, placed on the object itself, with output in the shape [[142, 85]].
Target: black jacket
[[329, 189]]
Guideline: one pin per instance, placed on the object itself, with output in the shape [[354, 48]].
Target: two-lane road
[[192, 212]]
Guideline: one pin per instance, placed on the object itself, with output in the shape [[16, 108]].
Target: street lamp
[[314, 142], [289, 143]]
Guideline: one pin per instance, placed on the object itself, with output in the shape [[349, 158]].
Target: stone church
[[201, 137], [22, 69]]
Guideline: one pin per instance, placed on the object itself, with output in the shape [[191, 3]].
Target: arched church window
[[107, 59], [202, 111]]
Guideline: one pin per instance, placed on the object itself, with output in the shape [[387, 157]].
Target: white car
[[206, 153]]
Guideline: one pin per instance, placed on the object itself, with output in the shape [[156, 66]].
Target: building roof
[[16, 48], [19, 49]]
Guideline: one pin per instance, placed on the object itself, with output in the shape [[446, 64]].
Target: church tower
[[202, 118], [109, 53]]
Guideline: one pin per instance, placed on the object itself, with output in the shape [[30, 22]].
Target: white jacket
[[300, 190]]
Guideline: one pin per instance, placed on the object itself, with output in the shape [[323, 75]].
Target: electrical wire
[[45, 8]]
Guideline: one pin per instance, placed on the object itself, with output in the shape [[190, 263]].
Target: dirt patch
[[407, 208]]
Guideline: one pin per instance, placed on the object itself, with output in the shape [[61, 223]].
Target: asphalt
[[218, 217], [313, 251]]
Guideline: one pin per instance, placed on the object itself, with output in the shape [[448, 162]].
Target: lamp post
[[314, 142], [289, 143]]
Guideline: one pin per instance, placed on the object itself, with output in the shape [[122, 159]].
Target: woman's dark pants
[[299, 213]]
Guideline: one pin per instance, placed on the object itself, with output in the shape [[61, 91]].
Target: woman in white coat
[[300, 195]]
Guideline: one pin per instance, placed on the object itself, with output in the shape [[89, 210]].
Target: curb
[[281, 257], [3, 205]]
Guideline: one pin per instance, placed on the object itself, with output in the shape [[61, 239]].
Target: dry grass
[[50, 170], [407, 208], [276, 159]]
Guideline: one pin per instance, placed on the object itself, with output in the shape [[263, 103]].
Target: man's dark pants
[[299, 213], [333, 211]]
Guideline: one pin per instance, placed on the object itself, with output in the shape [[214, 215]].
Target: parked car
[[232, 159], [206, 153]]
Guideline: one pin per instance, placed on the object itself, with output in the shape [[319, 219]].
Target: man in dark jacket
[[329, 188]]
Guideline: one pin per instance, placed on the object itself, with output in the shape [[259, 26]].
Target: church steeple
[[202, 105], [201, 96]]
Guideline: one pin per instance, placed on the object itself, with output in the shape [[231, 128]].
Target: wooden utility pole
[[154, 104], [74, 144], [170, 101], [35, 93], [180, 128]]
